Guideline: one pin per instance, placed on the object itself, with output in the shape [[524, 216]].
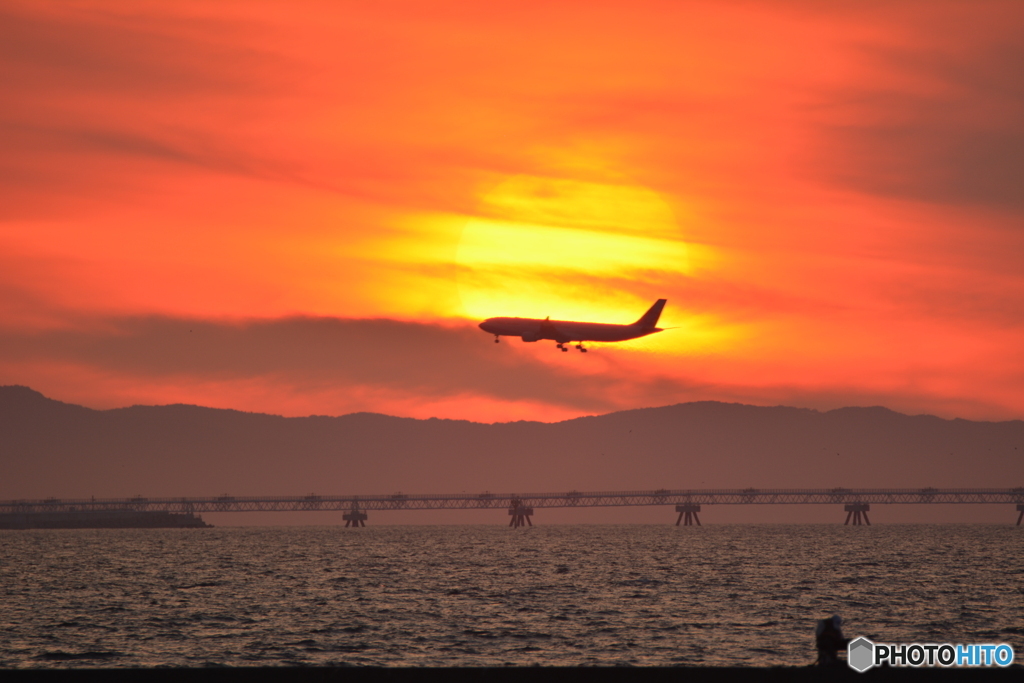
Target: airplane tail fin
[[649, 319]]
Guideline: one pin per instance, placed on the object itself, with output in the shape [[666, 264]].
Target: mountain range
[[49, 448]]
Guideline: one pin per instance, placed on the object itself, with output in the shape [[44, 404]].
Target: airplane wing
[[549, 331]]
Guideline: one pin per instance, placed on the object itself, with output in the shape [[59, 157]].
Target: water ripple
[[492, 596]]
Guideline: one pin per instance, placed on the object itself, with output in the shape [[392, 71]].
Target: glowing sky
[[306, 207]]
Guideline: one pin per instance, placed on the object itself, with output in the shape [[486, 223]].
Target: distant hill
[[49, 448]]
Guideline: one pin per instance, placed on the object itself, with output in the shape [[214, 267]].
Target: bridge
[[521, 506]]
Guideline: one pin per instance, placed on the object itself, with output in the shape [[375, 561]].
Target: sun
[[570, 249]]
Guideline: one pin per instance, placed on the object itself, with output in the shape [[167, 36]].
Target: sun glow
[[569, 249]]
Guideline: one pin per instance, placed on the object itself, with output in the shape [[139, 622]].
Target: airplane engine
[[531, 337]]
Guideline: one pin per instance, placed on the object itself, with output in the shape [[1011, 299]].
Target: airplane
[[566, 331]]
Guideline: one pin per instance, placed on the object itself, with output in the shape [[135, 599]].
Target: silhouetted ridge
[[56, 449], [14, 395], [18, 400]]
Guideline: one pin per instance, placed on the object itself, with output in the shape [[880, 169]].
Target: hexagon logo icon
[[860, 654]]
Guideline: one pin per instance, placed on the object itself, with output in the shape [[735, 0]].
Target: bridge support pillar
[[859, 511], [1020, 508], [354, 518], [520, 514], [688, 514]]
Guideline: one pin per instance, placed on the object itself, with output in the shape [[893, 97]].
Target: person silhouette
[[828, 637]]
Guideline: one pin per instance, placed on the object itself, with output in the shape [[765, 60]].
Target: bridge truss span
[[487, 500]]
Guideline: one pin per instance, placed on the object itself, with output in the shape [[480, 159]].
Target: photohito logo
[[862, 654]]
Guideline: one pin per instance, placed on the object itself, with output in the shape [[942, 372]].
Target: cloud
[[144, 54], [107, 105], [432, 361], [161, 162], [95, 99], [303, 365], [948, 131]]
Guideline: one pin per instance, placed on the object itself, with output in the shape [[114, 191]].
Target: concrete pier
[[859, 512], [354, 518], [690, 512], [520, 514]]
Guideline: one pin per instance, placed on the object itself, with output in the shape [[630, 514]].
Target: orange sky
[[306, 208]]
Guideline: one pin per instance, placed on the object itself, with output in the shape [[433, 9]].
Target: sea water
[[494, 596]]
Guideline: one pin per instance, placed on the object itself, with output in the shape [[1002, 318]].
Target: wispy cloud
[[943, 124], [432, 361], [827, 193]]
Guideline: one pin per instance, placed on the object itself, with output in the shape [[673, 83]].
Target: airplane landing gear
[[496, 340], [580, 347], [562, 347]]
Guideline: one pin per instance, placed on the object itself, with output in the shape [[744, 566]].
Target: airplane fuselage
[[563, 331], [566, 331]]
